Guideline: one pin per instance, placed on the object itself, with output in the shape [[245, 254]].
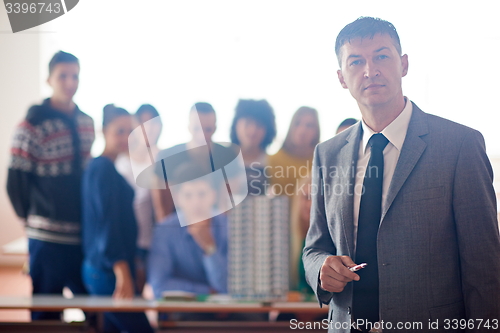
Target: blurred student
[[144, 114], [300, 217], [143, 202], [253, 129], [49, 151], [301, 210], [190, 258], [345, 124], [294, 160], [200, 149], [109, 228]]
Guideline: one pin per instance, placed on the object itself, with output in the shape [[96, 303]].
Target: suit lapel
[[348, 158], [411, 151]]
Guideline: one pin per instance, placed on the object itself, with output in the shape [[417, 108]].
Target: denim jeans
[[52, 267]]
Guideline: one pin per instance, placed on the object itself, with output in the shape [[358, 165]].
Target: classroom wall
[[19, 88]]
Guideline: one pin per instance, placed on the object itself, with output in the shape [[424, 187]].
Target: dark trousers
[[52, 267], [102, 282]]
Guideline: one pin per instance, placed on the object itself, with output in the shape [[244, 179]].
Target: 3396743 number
[[32, 8], [462, 324]]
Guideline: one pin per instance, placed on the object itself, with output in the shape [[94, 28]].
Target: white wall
[[19, 88]]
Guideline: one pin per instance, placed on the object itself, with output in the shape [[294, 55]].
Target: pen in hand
[[357, 267]]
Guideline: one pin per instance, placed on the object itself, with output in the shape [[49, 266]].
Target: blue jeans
[[52, 267], [102, 282]]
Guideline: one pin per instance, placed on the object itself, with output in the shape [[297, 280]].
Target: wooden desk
[[102, 304], [106, 303], [185, 327]]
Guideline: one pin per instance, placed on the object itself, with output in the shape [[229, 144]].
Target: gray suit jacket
[[438, 243]]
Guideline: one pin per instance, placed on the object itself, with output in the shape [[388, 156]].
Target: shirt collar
[[395, 132]]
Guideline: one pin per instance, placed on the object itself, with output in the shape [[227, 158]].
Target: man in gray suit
[[408, 193]]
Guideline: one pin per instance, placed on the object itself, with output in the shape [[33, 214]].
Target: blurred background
[[172, 54]]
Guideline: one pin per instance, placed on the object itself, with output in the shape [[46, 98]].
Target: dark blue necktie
[[366, 290]]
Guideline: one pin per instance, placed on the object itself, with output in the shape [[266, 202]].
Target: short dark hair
[[203, 107], [146, 108], [110, 112], [260, 111], [62, 57], [366, 27], [348, 122]]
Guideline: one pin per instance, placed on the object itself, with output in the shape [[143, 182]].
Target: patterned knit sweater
[[48, 154]]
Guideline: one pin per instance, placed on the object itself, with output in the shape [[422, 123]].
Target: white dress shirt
[[395, 132]]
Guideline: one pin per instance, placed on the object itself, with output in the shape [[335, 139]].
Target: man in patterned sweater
[[49, 151]]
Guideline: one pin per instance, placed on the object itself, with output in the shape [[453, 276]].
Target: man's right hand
[[335, 274]]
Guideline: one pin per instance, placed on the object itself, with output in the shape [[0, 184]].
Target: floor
[[13, 282]]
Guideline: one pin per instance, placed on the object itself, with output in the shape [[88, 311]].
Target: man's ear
[[404, 63], [341, 79]]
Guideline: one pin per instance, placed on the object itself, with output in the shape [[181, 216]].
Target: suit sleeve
[[24, 153], [318, 245], [474, 206]]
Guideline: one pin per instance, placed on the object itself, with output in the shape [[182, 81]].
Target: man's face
[[64, 80], [372, 70], [203, 129], [196, 199]]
